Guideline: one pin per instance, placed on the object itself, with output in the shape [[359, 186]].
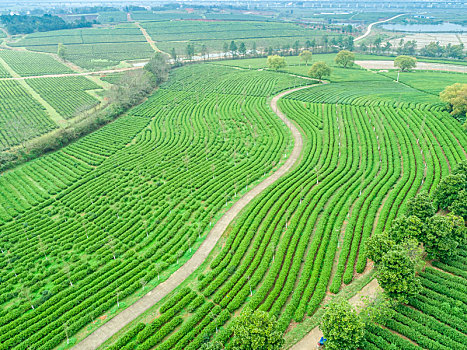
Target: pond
[[445, 27]]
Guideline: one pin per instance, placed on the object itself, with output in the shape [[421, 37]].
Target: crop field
[[304, 236], [92, 47], [21, 116], [124, 219], [29, 63], [176, 34], [435, 319], [67, 95]]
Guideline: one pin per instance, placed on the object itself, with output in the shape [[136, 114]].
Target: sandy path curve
[[100, 335], [368, 30]]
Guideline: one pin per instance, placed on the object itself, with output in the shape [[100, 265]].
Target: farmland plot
[[363, 157], [130, 201]]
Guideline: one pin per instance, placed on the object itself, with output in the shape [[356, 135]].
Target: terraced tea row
[[131, 202], [304, 236]]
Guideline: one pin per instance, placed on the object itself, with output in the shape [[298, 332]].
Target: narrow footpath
[[99, 336]]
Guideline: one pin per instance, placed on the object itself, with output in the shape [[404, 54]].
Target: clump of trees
[[434, 49], [19, 24], [405, 63], [397, 252], [455, 97]]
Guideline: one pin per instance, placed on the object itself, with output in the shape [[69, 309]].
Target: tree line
[[19, 24]]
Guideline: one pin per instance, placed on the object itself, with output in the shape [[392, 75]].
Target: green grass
[[428, 81]]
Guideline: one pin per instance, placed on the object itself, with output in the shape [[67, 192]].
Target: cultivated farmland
[[147, 230], [306, 235]]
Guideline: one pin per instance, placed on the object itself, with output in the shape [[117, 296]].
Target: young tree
[[61, 51], [342, 326], [306, 56], [276, 62], [396, 275], [225, 49], [420, 206], [233, 48], [296, 46], [190, 51], [405, 63], [345, 58], [319, 70], [256, 330], [443, 235], [204, 51], [254, 51], [242, 49], [448, 190], [378, 245], [173, 55]]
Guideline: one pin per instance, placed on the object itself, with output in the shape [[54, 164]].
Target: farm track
[[107, 71], [125, 317], [370, 27]]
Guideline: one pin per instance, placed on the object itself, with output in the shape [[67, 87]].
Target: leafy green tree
[[242, 49], [459, 206], [190, 51], [204, 51], [296, 46], [307, 44], [319, 70], [420, 206], [61, 51], [212, 345], [363, 47], [443, 235], [448, 190], [225, 48], [233, 48], [276, 62], [342, 326], [378, 245], [345, 58], [405, 227], [306, 56], [256, 330], [405, 63], [159, 67], [173, 55], [396, 275], [254, 51], [456, 98], [387, 47]]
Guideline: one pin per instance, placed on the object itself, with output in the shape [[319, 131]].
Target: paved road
[[368, 30], [94, 340]]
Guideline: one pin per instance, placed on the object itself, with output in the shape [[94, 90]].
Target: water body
[[444, 27]]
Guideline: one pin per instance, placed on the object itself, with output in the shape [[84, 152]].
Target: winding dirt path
[[368, 30], [95, 339]]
